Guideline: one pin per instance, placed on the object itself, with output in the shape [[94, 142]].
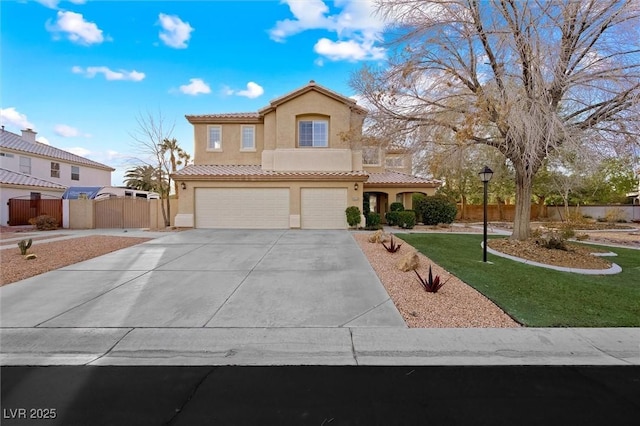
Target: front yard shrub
[[406, 219], [44, 222], [396, 207], [436, 209], [373, 220], [353, 216], [392, 217]]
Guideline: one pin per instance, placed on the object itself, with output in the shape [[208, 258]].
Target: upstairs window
[[371, 156], [75, 173], [25, 165], [313, 133], [55, 169], [215, 138], [248, 135], [394, 162]]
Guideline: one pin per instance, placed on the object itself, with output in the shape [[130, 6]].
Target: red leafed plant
[[431, 284], [393, 247]]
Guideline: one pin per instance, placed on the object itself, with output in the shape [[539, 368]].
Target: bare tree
[[523, 76], [149, 137]]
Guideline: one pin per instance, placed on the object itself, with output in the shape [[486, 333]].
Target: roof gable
[[312, 86]]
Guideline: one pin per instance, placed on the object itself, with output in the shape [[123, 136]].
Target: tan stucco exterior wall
[[231, 145], [81, 214]]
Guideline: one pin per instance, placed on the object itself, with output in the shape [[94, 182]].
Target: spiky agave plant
[[431, 284], [24, 245], [393, 247]]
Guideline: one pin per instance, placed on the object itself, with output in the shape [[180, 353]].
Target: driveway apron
[[210, 278]]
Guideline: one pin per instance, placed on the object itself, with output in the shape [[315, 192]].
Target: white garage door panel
[[324, 208], [265, 208]]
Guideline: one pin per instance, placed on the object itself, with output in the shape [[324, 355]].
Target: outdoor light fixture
[[355, 187], [183, 185], [485, 176]]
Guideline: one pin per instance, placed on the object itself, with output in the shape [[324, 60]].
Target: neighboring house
[[297, 163], [33, 170]]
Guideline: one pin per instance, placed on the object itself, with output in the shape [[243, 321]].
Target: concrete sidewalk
[[238, 297]]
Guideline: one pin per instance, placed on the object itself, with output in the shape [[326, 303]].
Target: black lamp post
[[485, 176]]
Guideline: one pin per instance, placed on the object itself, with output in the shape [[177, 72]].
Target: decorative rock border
[[614, 269]]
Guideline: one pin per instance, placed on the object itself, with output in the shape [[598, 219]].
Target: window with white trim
[[313, 133], [371, 156], [75, 173], [394, 162], [55, 169], [25, 165], [214, 138], [248, 138]]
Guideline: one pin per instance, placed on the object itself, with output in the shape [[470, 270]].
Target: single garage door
[[323, 208], [242, 208]]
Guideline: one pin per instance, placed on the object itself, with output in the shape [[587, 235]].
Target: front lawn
[[540, 297]]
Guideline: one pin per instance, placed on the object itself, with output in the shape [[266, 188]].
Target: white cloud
[[253, 91], [53, 4], [109, 74], [78, 150], [356, 25], [175, 33], [195, 87], [350, 50], [43, 140], [76, 28], [11, 117], [65, 131]]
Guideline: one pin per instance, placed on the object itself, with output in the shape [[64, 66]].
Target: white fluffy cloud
[[252, 91], [175, 33], [12, 118], [53, 4], [195, 87], [74, 26], [109, 74], [356, 26], [78, 150], [349, 50], [65, 131]]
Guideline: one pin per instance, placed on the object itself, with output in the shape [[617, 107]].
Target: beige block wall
[[81, 214]]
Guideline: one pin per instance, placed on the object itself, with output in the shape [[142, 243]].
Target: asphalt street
[[321, 395]]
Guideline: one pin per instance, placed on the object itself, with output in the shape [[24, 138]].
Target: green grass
[[540, 297]]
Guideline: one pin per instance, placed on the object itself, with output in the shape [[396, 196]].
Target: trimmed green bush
[[436, 209], [396, 207], [406, 219], [373, 220], [392, 217], [353, 216]]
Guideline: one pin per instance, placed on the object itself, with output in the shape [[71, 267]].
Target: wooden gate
[[121, 212], [21, 210]]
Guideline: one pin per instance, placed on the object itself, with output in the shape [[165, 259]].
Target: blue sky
[[80, 72]]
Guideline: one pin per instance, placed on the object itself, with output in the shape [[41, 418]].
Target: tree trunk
[[167, 219], [463, 202], [522, 219], [541, 199]]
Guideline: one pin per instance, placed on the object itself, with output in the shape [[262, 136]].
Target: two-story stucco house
[[31, 170], [297, 163]]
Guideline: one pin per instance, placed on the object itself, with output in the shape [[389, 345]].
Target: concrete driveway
[[210, 278]]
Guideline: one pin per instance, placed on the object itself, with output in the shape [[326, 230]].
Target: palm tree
[[177, 156], [143, 178]]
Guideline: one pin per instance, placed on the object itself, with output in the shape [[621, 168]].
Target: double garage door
[[268, 208]]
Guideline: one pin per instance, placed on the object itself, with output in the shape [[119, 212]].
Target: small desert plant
[[353, 216], [392, 247], [24, 245], [431, 284], [44, 222], [552, 240], [614, 215]]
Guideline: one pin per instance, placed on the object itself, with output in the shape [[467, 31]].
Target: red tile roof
[[216, 171], [397, 178]]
